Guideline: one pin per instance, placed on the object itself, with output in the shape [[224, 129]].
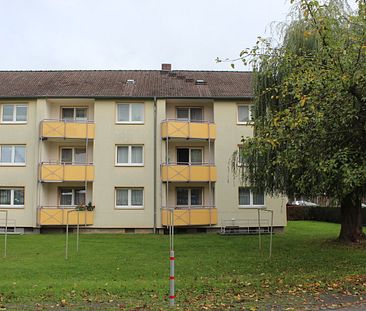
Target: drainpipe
[[155, 157]]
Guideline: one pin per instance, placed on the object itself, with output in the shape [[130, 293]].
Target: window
[[244, 114], [129, 197], [130, 155], [12, 155], [14, 113], [189, 114], [187, 156], [12, 197], [250, 197], [73, 155], [241, 161], [130, 113], [74, 114], [189, 196], [72, 196]]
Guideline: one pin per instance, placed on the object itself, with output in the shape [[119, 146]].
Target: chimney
[[166, 67]]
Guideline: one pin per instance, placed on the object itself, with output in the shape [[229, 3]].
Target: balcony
[[58, 216], [188, 130], [190, 216], [55, 172], [67, 129], [188, 173]]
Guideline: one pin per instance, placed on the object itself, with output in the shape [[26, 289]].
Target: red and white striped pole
[[172, 261], [171, 280]]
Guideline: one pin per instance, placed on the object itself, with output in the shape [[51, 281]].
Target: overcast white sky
[[131, 34]]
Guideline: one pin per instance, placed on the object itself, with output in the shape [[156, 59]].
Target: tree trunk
[[351, 219]]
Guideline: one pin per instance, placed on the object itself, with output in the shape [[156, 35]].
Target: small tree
[[310, 110]]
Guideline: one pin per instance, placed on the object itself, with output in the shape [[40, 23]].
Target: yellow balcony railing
[[190, 172], [59, 216], [189, 216], [67, 129], [186, 129], [56, 172]]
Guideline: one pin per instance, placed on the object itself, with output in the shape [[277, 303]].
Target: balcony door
[[186, 156], [189, 114], [71, 196], [189, 197], [74, 114], [71, 155]]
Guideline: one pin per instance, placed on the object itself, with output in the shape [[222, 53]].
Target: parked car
[[301, 203]]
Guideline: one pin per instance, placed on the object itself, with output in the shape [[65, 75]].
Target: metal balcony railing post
[[5, 232], [259, 231]]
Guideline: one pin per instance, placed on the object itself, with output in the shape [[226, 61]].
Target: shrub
[[317, 213]]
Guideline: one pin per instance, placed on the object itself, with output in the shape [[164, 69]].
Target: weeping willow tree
[[310, 110]]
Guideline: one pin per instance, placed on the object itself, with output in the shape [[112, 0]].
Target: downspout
[[155, 164]]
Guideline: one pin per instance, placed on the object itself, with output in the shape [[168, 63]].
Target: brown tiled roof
[[112, 83]]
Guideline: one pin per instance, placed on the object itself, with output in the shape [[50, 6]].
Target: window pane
[[122, 155], [8, 111], [136, 155], [19, 154], [18, 197], [6, 154], [183, 156], [21, 113], [123, 112], [241, 159], [5, 196], [196, 156], [79, 197], [67, 113], [136, 197], [196, 114], [80, 155], [182, 196], [243, 113], [137, 112], [244, 196], [81, 114], [66, 155], [258, 198], [122, 197], [182, 113], [66, 197], [196, 196]]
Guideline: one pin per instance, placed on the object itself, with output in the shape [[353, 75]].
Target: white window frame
[[74, 119], [249, 111], [189, 113], [251, 205], [190, 155], [130, 114], [14, 121], [73, 155], [13, 163], [12, 205], [189, 196], [129, 163], [239, 152], [129, 206], [73, 190]]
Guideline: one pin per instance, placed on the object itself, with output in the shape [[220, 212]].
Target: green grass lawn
[[125, 271]]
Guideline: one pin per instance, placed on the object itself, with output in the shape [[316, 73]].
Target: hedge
[[317, 213]]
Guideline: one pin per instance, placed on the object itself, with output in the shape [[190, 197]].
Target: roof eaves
[[208, 97], [123, 97]]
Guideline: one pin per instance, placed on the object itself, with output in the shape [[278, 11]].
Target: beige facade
[[81, 164]]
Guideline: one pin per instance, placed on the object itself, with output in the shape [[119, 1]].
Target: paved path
[[361, 307]]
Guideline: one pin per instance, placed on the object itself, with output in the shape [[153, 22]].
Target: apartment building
[[124, 148]]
